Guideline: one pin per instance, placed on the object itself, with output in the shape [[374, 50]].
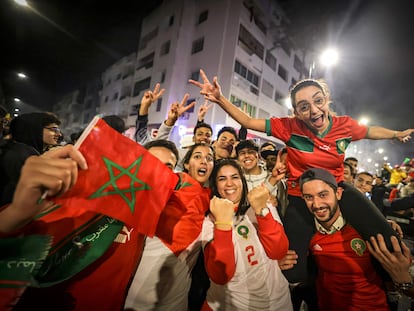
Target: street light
[[21, 75], [328, 58], [21, 2]]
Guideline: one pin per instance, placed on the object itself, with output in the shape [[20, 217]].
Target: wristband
[[404, 286], [230, 223], [395, 135]]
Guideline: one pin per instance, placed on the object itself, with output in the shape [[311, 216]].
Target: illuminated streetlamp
[[21, 2], [328, 58], [21, 75]]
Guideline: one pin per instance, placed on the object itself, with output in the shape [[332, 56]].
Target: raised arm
[[271, 232], [141, 125], [219, 257], [378, 132], [212, 92], [175, 111]]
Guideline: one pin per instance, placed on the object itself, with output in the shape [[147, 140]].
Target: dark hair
[[305, 83], [351, 159], [229, 129], [365, 173], [244, 203], [190, 152], [202, 124], [249, 144], [351, 169], [165, 144], [49, 118], [116, 122]]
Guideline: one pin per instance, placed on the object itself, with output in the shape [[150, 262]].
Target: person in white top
[[240, 259]]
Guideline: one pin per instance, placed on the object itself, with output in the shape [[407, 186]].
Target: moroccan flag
[[123, 180], [181, 221], [124, 186]]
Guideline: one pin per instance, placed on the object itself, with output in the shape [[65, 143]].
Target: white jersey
[[258, 283], [162, 280]]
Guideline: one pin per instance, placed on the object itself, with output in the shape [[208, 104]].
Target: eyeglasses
[[305, 107], [54, 129]]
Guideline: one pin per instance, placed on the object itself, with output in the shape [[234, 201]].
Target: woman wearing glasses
[[314, 137]]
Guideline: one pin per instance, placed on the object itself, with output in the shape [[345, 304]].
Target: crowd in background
[[267, 224]]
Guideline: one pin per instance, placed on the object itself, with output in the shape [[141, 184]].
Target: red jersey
[[306, 149], [346, 278]]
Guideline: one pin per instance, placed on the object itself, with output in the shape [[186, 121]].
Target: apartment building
[[240, 41]]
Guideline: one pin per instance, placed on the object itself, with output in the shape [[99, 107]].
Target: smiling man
[[346, 278]]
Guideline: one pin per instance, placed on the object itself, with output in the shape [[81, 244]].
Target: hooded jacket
[[27, 133]]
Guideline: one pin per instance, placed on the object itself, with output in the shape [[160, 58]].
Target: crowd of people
[[246, 226]]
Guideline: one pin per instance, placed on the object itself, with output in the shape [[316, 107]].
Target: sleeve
[[280, 128], [273, 237], [164, 131], [219, 257], [141, 131], [359, 131]]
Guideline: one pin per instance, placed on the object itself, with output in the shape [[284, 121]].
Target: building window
[[267, 88], [244, 106], [118, 76], [159, 105], [284, 44], [106, 99], [165, 48], [270, 60], [146, 62], [142, 85], [202, 17], [282, 72], [279, 97], [293, 82], [249, 43], [198, 45], [171, 21], [245, 73], [195, 75], [115, 96], [163, 76], [298, 64], [143, 42]]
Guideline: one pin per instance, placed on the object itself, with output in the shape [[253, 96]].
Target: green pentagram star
[[110, 187]]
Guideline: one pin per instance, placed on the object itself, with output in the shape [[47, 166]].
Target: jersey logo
[[243, 231], [359, 246], [123, 238], [342, 144]]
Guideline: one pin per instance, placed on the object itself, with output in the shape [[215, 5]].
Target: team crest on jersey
[[342, 144], [243, 231], [359, 246]]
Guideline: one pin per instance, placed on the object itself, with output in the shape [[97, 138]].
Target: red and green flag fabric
[[181, 221], [124, 188], [123, 180]]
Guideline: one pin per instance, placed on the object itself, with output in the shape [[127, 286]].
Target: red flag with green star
[[123, 180]]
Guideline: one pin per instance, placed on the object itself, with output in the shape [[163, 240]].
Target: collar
[[336, 226]]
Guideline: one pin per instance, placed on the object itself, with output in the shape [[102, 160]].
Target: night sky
[[63, 43]]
